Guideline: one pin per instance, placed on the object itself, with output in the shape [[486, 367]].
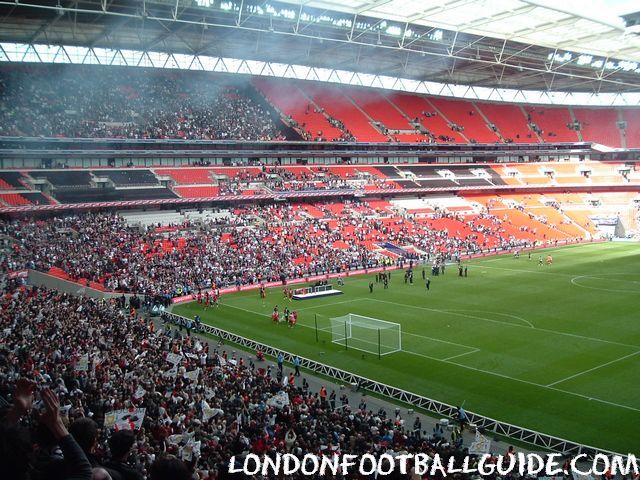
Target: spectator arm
[[74, 457]]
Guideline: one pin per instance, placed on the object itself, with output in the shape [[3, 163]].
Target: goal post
[[368, 334]]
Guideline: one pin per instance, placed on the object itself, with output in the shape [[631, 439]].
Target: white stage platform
[[324, 293]]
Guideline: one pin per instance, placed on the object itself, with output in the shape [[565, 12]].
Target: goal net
[[367, 334]]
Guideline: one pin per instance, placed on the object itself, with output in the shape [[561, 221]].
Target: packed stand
[[128, 103], [257, 244], [102, 248], [280, 179], [97, 391]]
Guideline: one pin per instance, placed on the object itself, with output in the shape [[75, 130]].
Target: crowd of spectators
[[129, 103], [280, 179], [256, 244], [189, 404]]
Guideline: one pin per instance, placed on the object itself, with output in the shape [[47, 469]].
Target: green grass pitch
[[554, 349]]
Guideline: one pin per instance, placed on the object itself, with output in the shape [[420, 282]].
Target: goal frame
[[376, 325]]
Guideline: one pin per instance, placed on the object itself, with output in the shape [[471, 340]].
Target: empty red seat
[[14, 199], [186, 176], [197, 192]]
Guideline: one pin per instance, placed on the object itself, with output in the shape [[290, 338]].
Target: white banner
[[127, 419], [279, 400], [174, 358], [82, 365], [480, 445], [172, 372], [192, 375], [174, 439], [191, 450], [139, 393]]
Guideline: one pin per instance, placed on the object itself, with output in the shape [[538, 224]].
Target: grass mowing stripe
[[472, 349], [506, 323], [594, 368], [439, 340], [468, 367]]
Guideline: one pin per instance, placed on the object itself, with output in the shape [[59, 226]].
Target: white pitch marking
[[461, 355], [573, 335], [493, 313], [594, 368], [574, 282], [468, 367], [360, 300]]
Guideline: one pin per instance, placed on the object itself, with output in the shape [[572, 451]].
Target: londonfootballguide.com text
[[524, 464]]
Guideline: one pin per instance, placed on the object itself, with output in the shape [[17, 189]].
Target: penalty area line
[[539, 329]]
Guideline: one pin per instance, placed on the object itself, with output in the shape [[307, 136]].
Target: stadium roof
[[586, 26], [529, 45]]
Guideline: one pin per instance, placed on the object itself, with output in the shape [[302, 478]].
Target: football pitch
[[554, 349]]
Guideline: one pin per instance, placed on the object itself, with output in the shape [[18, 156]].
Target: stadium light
[[393, 30], [627, 66], [584, 59]]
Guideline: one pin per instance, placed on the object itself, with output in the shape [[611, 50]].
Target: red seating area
[[599, 125], [553, 120], [334, 102], [454, 227], [298, 172], [289, 99], [233, 172], [197, 192], [14, 199], [5, 186], [414, 106], [379, 109], [312, 210], [357, 108], [510, 121], [186, 176], [409, 138], [58, 272], [350, 171], [525, 224], [463, 113]]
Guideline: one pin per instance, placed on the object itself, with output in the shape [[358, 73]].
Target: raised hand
[[51, 416], [22, 400], [23, 396]]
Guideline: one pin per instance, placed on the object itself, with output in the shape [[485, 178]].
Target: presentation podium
[[315, 292]]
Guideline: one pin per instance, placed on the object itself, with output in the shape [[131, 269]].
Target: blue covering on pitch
[[394, 249]]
